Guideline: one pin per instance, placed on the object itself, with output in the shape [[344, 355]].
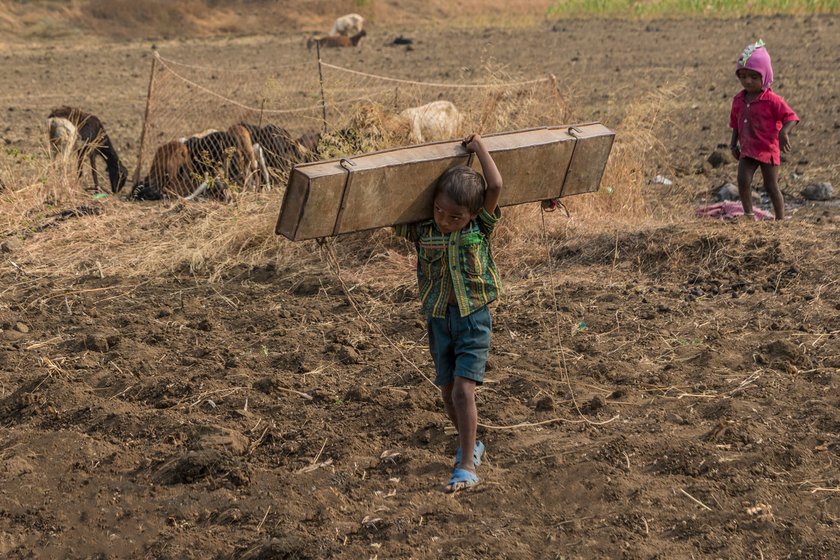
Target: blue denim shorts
[[460, 345]]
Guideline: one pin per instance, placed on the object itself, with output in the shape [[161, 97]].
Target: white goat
[[350, 24], [438, 120], [63, 138]]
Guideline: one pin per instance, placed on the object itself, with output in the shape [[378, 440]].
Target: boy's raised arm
[[491, 172]]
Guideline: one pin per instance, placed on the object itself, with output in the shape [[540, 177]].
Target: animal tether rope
[[334, 267], [166, 63]]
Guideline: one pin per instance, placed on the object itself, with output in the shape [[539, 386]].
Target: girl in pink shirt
[[760, 121]]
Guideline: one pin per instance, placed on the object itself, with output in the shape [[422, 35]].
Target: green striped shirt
[[461, 260]]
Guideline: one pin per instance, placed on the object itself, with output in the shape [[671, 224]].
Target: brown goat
[[171, 170], [207, 162], [338, 40], [246, 160]]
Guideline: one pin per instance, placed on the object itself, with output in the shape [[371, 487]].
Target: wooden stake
[[321, 81], [139, 167]]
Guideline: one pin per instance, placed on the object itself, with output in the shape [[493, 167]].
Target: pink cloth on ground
[[729, 210]]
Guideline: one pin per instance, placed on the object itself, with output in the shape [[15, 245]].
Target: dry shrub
[[494, 107], [512, 108], [527, 236], [371, 127]]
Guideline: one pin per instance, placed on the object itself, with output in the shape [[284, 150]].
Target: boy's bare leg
[[448, 405], [746, 170], [463, 400], [770, 173]]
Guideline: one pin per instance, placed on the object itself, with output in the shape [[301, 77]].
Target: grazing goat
[[206, 162], [310, 141], [91, 140], [279, 150], [348, 25], [338, 40], [63, 137], [169, 175], [438, 120]]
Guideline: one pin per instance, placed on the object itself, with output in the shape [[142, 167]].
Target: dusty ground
[[262, 417]]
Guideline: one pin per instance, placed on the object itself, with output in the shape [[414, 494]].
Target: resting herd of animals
[[243, 156]]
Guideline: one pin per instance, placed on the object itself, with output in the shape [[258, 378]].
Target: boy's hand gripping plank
[[392, 187]]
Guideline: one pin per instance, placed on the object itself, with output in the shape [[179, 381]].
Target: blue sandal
[[461, 479], [478, 453]]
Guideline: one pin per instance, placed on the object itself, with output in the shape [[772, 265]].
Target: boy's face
[[751, 80], [450, 216]]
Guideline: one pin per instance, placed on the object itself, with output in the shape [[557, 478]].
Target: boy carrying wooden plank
[[457, 278]]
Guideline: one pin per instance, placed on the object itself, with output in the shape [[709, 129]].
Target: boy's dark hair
[[464, 185]]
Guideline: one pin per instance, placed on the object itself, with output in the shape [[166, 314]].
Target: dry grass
[[636, 156], [106, 235]]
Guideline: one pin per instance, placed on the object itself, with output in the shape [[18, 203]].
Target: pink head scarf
[[755, 57]]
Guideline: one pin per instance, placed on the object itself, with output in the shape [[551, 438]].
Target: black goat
[[93, 141], [310, 141]]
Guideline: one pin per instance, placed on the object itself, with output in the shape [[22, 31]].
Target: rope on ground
[[545, 422], [335, 268]]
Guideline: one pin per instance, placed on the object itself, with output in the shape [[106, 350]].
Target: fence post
[[146, 119], [321, 81]]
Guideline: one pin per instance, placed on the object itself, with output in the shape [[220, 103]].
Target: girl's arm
[[784, 139], [491, 172], [733, 144]]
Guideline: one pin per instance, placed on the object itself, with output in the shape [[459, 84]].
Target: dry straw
[[70, 231]]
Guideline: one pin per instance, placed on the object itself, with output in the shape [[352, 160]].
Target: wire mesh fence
[[340, 110]]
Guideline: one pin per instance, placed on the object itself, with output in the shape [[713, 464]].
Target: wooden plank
[[396, 186]]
